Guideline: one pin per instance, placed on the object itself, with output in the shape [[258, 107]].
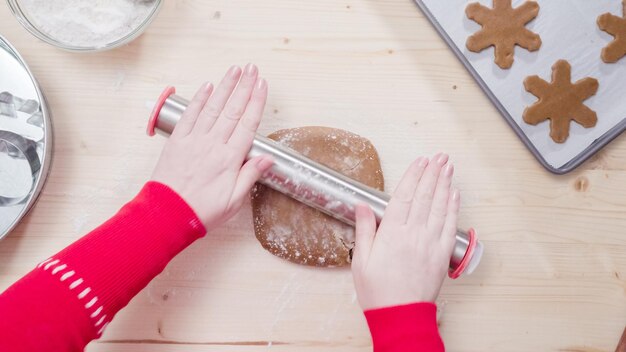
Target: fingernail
[[251, 69], [448, 170], [442, 159], [261, 84], [422, 162], [361, 210], [456, 194], [265, 163], [208, 86], [234, 71]]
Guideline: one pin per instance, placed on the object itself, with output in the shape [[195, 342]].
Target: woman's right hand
[[203, 160], [407, 258]]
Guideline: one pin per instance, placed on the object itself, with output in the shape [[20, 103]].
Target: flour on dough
[[296, 232]]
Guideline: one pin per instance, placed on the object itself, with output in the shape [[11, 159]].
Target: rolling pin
[[314, 184]]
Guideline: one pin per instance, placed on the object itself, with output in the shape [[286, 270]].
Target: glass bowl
[[21, 14]]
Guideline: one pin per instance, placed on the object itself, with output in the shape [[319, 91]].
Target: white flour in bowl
[[87, 23]]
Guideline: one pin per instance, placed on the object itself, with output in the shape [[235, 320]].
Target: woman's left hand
[[203, 160]]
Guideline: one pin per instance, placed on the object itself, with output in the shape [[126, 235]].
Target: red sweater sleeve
[[406, 328], [69, 298]]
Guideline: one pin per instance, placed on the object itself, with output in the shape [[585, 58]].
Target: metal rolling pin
[[314, 184]]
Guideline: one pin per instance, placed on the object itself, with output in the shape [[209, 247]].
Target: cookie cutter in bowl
[[16, 147], [25, 138]]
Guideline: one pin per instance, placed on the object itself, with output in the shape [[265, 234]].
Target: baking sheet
[[568, 31]]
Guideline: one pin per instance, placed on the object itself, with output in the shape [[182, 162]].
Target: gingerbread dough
[[615, 26], [560, 101], [296, 232], [503, 27]]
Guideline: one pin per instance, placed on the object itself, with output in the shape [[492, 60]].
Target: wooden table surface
[[553, 277]]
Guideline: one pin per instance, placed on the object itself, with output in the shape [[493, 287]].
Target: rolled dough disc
[[297, 232]]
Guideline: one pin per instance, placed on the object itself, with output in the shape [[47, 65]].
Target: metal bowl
[[25, 138], [26, 21]]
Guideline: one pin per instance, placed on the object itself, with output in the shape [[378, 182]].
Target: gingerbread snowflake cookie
[[615, 26], [560, 101], [504, 27]]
